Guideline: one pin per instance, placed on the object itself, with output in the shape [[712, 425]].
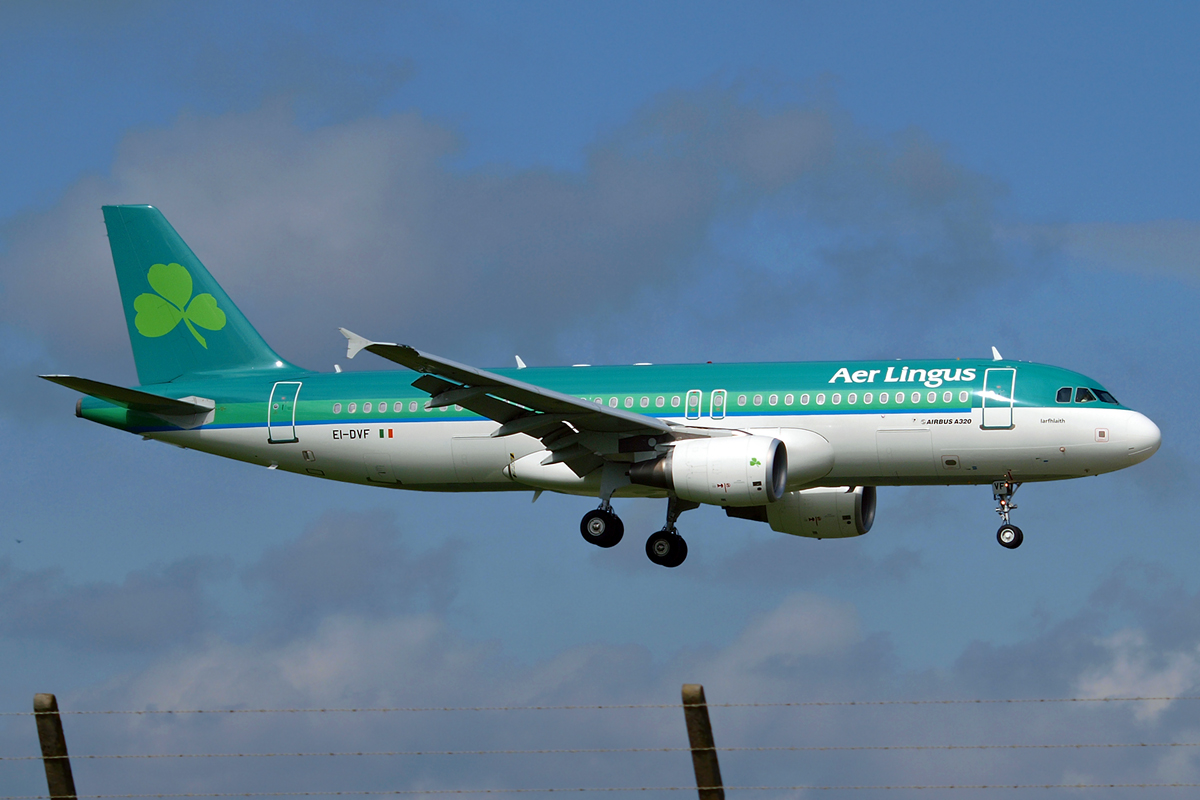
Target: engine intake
[[728, 471]]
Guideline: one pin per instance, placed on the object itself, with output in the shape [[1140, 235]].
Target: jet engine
[[726, 471], [821, 513]]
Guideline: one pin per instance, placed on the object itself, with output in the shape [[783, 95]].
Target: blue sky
[[606, 184]]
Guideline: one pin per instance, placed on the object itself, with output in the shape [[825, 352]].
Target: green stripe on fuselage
[[242, 398]]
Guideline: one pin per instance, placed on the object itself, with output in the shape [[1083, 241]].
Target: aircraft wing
[[578, 433]]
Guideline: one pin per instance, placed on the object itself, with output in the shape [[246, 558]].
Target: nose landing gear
[[1009, 535]]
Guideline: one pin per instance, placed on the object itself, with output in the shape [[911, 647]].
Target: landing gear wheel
[[1010, 536], [667, 549], [602, 528]]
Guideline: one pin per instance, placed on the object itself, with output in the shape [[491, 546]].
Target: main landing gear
[[666, 547], [603, 528], [1009, 535]]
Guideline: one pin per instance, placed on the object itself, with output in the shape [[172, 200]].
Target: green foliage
[[158, 314]]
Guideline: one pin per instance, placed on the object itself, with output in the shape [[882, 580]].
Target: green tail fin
[[180, 320]]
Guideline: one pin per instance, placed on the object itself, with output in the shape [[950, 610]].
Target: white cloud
[[1137, 668], [365, 223]]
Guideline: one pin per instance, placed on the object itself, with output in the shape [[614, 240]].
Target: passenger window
[[758, 399], [741, 399], [789, 399], [658, 401], [1105, 397], [803, 399], [412, 406], [1064, 395], [337, 408], [1083, 395]]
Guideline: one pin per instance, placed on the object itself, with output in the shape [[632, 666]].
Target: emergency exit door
[[281, 412], [998, 397]]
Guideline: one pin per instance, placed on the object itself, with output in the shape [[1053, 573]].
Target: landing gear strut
[[1009, 535], [666, 547]]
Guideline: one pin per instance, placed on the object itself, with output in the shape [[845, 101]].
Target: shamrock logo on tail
[[754, 462], [158, 314]]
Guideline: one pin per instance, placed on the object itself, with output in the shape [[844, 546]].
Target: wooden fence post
[[59, 780], [704, 750]]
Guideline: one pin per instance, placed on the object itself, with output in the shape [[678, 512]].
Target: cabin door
[[998, 397], [716, 408], [281, 412]]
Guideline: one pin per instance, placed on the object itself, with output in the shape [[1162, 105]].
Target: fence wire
[[622, 706], [601, 750], [631, 789], [391, 792]]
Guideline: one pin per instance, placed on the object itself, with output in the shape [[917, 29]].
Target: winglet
[[995, 353], [520, 363], [355, 343]]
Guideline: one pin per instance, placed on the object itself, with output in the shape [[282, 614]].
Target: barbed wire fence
[[704, 752]]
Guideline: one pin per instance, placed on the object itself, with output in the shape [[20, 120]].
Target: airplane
[[798, 446]]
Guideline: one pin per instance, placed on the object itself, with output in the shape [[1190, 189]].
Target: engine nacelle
[[821, 513], [726, 471]]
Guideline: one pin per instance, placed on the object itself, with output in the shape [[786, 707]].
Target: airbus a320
[[798, 446]]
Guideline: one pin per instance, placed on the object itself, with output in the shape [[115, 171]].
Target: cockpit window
[[1064, 395], [1105, 397], [1083, 395]]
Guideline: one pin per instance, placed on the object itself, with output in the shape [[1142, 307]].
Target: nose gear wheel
[[1009, 535]]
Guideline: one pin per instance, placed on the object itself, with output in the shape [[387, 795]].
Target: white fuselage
[[869, 449]]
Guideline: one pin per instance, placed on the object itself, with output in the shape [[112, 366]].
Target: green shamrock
[[754, 462], [158, 314]]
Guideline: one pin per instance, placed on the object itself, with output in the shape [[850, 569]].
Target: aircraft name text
[[932, 378]]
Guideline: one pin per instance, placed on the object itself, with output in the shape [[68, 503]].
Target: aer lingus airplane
[[799, 446]]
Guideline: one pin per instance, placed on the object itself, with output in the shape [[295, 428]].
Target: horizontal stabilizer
[[133, 399]]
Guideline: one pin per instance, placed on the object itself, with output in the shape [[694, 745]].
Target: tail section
[[180, 320]]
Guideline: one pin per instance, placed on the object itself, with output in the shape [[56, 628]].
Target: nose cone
[[1142, 437]]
